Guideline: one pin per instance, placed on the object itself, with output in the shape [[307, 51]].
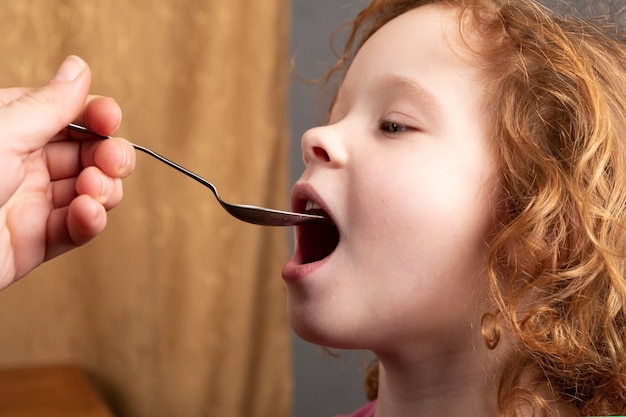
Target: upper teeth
[[310, 205]]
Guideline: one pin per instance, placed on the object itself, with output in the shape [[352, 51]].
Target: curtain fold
[[177, 309]]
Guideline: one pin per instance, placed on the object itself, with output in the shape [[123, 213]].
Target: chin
[[322, 332]]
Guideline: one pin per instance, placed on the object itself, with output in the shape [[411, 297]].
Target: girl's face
[[405, 171]]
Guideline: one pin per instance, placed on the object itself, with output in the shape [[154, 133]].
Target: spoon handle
[[153, 154]]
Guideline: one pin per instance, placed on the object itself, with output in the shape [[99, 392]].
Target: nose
[[324, 145]]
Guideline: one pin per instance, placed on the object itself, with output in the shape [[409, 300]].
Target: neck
[[449, 383], [455, 382]]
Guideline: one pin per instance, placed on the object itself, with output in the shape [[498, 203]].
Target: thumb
[[34, 118]]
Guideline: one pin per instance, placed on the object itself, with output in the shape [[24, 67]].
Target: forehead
[[425, 35], [422, 48]]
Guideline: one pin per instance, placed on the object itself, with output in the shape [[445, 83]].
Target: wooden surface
[[48, 391]]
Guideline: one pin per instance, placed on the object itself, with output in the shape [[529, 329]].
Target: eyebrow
[[426, 100], [414, 90]]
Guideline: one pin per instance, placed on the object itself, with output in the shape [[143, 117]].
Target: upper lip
[[303, 196]]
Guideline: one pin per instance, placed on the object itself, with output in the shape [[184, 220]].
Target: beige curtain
[[177, 309]]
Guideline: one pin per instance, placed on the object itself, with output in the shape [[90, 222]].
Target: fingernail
[[118, 110], [104, 191], [125, 157], [70, 69]]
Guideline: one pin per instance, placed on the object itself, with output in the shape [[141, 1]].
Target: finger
[[86, 218], [102, 115], [63, 192], [74, 225], [115, 157], [63, 159], [39, 114], [8, 95], [107, 191]]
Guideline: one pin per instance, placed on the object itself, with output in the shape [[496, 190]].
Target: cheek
[[418, 198], [426, 216]]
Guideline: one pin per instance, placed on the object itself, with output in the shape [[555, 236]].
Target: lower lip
[[294, 271]]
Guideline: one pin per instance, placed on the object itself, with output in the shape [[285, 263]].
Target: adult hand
[[55, 189]]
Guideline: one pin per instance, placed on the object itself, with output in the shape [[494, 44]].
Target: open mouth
[[316, 240]]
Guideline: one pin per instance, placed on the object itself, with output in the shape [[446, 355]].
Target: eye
[[390, 127]]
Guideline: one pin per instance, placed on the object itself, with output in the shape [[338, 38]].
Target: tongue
[[317, 240]]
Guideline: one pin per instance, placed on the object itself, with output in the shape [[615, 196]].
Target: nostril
[[321, 153]]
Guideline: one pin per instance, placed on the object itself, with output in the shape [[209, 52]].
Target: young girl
[[473, 172]]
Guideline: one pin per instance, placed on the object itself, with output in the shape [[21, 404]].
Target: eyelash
[[389, 127]]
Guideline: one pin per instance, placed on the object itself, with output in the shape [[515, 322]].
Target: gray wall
[[325, 385]]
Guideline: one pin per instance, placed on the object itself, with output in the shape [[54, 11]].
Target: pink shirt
[[366, 411]]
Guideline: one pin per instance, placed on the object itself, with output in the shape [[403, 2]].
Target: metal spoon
[[251, 214]]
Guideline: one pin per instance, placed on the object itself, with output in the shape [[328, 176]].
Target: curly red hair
[[557, 266]]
